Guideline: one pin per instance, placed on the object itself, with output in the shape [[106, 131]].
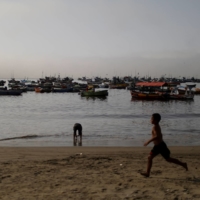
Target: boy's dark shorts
[[161, 149]]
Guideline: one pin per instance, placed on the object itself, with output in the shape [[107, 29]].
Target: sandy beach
[[96, 173]]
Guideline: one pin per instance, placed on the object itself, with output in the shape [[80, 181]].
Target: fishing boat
[[62, 90], [117, 83], [181, 97], [149, 91], [3, 88], [92, 93], [151, 84], [2, 82], [19, 87], [189, 93], [118, 86], [42, 90], [10, 92], [149, 96], [182, 90], [197, 91], [103, 85]]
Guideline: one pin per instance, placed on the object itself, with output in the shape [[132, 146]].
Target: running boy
[[159, 146]]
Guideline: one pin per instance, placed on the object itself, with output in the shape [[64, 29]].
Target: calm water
[[114, 121]]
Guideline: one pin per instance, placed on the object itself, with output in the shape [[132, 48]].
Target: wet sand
[[98, 173]]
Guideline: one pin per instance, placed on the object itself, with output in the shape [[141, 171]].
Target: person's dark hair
[[157, 117]]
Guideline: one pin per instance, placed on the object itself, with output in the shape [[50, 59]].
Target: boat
[[181, 97], [182, 90], [92, 93], [149, 96], [22, 88], [61, 90], [42, 90], [197, 91], [117, 83], [103, 85], [10, 92], [92, 86], [2, 82], [3, 88], [151, 84], [118, 86], [189, 93], [149, 91]]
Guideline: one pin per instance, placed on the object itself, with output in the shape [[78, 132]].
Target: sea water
[[47, 119]]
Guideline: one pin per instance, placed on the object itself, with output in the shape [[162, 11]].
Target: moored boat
[[42, 90], [197, 91], [61, 90], [2, 82], [118, 86], [10, 92], [181, 97], [103, 85], [92, 93], [149, 91], [189, 94], [148, 96]]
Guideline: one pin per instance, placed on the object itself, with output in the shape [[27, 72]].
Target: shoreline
[[96, 173], [48, 152]]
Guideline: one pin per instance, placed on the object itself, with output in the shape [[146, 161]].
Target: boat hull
[[62, 90], [181, 97], [42, 90], [148, 96], [10, 92], [101, 93], [118, 86]]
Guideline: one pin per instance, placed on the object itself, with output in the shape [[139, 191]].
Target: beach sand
[[98, 173]]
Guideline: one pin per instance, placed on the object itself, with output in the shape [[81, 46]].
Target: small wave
[[20, 137], [33, 136], [113, 116], [183, 115]]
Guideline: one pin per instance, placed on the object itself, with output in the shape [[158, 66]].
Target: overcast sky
[[99, 38]]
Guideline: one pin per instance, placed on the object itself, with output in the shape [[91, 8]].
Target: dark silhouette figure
[[77, 127]]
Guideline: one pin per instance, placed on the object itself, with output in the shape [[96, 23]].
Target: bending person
[[77, 127]]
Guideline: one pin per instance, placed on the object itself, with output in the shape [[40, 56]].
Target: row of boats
[[139, 90], [56, 85]]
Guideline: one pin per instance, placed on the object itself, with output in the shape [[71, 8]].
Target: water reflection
[[77, 144], [95, 98], [188, 101]]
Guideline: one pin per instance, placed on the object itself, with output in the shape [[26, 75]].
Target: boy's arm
[[155, 136], [151, 140]]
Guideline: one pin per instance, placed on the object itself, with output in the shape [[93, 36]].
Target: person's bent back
[[77, 127]]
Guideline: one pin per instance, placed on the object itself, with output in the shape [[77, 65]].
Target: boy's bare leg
[[149, 165], [80, 138], [75, 138], [178, 162]]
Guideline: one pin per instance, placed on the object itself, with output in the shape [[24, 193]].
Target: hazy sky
[[99, 38]]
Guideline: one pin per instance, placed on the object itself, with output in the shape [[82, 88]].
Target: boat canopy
[[151, 84]]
